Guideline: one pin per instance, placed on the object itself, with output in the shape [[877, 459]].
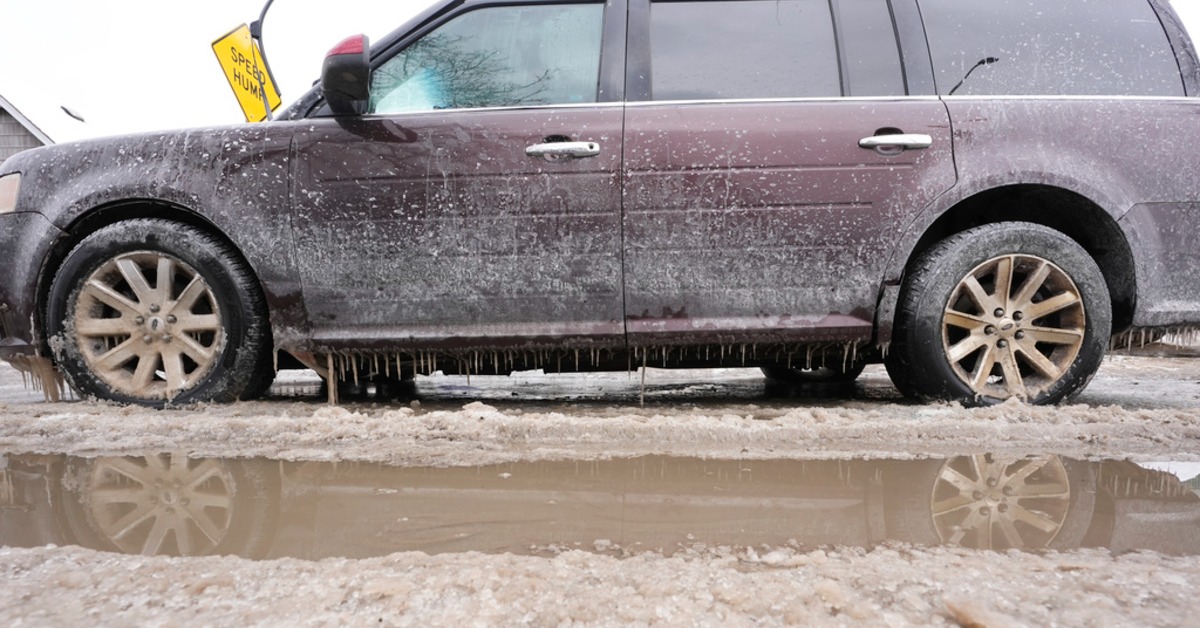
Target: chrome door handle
[[559, 150], [900, 141]]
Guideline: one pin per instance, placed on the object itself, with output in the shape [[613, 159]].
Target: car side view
[[982, 195]]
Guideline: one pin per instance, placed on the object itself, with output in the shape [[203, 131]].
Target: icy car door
[[477, 199], [767, 178]]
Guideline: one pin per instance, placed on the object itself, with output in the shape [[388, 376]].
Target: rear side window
[[872, 58], [497, 57], [1040, 47], [743, 49]]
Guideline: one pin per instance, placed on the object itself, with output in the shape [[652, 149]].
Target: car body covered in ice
[[980, 194]]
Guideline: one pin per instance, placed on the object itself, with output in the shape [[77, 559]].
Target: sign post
[[242, 61]]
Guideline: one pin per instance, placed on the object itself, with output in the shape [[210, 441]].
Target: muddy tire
[[169, 504], [988, 502], [153, 312], [1000, 311]]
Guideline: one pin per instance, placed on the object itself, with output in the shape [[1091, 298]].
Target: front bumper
[[25, 240]]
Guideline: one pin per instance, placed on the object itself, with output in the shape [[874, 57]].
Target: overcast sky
[[135, 65]]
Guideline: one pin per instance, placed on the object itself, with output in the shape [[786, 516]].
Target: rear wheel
[[150, 311], [1001, 311]]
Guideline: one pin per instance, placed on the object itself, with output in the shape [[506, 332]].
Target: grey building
[[17, 133]]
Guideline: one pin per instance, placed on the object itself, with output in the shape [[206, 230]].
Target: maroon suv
[[979, 193]]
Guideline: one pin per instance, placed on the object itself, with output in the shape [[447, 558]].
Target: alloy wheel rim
[[1013, 326], [987, 503], [148, 325], [161, 504]]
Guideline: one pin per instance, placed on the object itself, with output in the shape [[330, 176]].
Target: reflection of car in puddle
[[170, 504]]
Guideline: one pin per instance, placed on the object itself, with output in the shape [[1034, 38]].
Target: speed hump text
[[247, 74]]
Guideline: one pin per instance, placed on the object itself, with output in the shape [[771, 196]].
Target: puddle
[[170, 504]]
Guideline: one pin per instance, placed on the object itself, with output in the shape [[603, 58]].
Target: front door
[[477, 204]]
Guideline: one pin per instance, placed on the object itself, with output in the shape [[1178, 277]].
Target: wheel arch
[[1058, 208]]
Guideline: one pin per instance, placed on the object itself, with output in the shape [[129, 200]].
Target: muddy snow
[[890, 585], [1144, 409]]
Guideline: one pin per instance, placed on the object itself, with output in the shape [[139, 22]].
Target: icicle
[[354, 368], [576, 358], [331, 382], [743, 355], [642, 397]]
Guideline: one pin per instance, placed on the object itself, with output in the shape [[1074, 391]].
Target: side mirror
[[345, 76]]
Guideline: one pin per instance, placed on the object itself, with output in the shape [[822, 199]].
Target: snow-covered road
[[1143, 409]]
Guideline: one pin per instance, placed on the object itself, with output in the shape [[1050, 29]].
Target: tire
[[152, 312], [169, 504], [957, 338], [1036, 502]]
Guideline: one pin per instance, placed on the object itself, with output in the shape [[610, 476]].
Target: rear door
[[753, 211], [477, 204]]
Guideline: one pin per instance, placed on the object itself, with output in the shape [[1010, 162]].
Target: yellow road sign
[[246, 72]]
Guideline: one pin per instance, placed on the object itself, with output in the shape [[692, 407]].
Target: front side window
[[733, 49], [1035, 47], [496, 57]]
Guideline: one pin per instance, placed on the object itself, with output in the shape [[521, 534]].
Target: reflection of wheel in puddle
[[985, 502], [169, 504], [160, 504]]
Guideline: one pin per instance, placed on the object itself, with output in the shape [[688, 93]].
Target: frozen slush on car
[[979, 194]]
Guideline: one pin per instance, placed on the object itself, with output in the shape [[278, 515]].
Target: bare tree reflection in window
[[448, 73]]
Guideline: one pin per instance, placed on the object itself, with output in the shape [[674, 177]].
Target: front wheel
[[1001, 311], [150, 311]]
